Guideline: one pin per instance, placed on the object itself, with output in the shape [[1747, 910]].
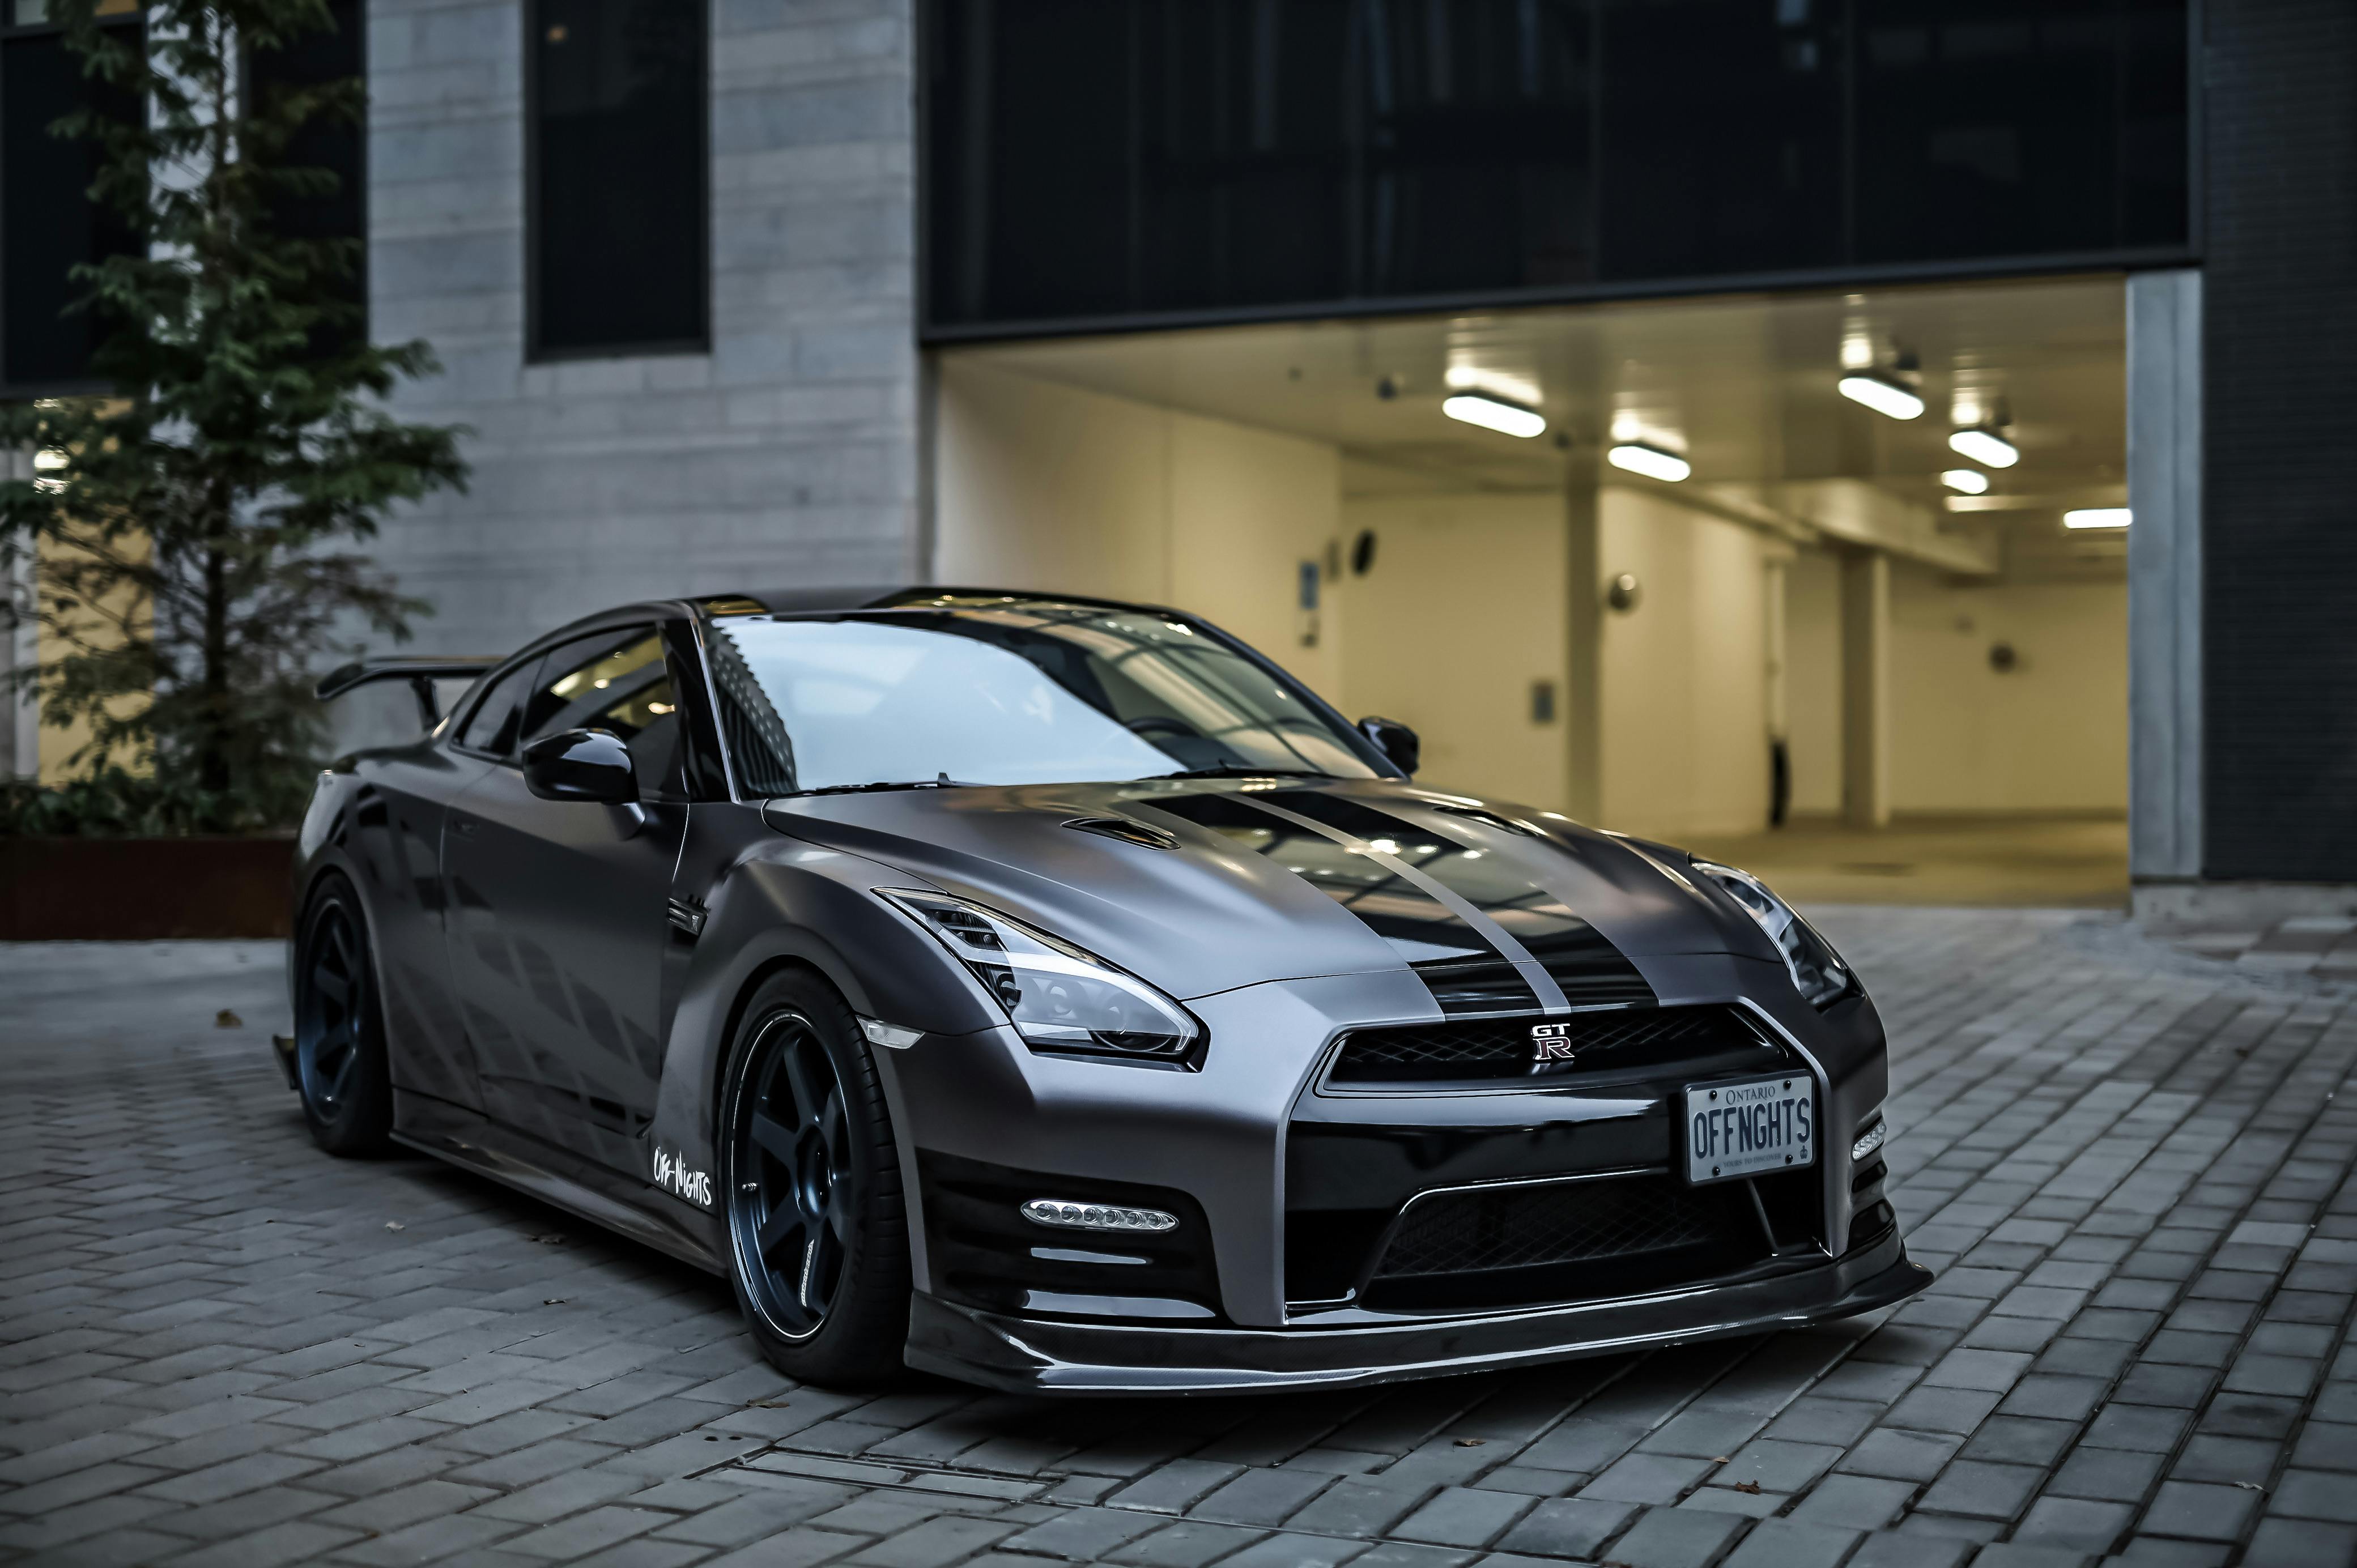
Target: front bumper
[[1041, 1355]]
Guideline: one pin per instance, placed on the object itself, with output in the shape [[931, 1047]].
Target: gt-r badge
[[673, 1177], [1550, 1043]]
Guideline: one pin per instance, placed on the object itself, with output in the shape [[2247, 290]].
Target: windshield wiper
[[943, 782], [1237, 771]]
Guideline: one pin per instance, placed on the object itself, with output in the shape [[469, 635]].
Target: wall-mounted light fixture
[[1985, 446], [1653, 462], [1494, 413], [1882, 393], [2097, 517], [1966, 481]]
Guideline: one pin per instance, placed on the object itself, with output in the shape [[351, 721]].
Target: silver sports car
[[1056, 995]]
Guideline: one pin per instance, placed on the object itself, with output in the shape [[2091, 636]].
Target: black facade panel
[[338, 53], [1119, 160], [2279, 529], [47, 224], [617, 212]]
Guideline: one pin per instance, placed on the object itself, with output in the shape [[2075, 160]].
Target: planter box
[[102, 889]]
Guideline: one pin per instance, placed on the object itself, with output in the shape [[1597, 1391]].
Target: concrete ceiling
[[1744, 386]]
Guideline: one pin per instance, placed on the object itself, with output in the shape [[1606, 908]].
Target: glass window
[[2007, 127], [48, 223], [1087, 159], [997, 691], [492, 727], [337, 53], [618, 210], [614, 681]]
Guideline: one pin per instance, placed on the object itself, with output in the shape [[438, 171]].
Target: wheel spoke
[[823, 1266], [783, 1221], [331, 985], [777, 1140], [831, 1132], [838, 1217], [808, 1097], [340, 1074]]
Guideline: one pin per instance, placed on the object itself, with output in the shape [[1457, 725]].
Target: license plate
[[1745, 1128]]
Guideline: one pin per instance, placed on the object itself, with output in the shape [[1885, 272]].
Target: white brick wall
[[788, 455]]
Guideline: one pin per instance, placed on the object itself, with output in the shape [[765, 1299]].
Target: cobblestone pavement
[[218, 1346]]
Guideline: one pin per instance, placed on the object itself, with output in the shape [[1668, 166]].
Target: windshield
[[995, 691]]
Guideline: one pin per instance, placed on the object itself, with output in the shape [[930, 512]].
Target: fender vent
[[1124, 830]]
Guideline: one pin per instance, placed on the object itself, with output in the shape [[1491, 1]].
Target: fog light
[[1873, 1138], [1063, 1214]]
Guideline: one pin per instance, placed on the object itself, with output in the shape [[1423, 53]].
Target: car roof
[[815, 601]]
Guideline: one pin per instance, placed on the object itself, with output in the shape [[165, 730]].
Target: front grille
[[1571, 1240], [1706, 1041], [1555, 1222]]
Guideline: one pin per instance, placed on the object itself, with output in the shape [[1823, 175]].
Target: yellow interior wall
[[58, 746], [1054, 488], [1463, 610], [1684, 717], [2051, 735]]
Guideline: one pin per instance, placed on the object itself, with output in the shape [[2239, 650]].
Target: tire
[[809, 1177], [341, 1072]]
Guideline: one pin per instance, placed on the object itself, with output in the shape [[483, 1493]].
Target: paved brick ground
[[219, 1346]]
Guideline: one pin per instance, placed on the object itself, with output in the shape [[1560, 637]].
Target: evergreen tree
[[192, 529]]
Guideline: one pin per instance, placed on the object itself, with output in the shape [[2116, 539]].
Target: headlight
[[1061, 1000], [1817, 970]]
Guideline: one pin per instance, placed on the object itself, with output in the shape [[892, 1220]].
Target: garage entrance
[[1833, 585]]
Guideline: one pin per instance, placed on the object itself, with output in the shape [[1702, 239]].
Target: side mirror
[[1394, 740], [591, 765]]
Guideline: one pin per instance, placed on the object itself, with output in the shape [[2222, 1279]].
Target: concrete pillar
[[2164, 334], [1582, 696], [1866, 689], [1775, 666]]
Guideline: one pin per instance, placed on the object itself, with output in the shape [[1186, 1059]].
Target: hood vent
[[1476, 814], [1124, 830]]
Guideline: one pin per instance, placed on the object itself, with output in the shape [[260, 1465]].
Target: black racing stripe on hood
[[1580, 958], [1465, 974]]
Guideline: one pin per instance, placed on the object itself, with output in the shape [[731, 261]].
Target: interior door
[[558, 920]]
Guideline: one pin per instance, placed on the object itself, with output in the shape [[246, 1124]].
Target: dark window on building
[[1086, 159], [339, 146], [48, 223], [2011, 127], [619, 202]]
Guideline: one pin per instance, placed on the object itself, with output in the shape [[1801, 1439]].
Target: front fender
[[782, 902]]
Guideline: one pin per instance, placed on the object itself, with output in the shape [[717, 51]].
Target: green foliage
[[187, 529], [114, 803]]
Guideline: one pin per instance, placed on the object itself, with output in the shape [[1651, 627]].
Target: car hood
[[1258, 880]]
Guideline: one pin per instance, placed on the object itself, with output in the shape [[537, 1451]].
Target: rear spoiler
[[421, 673]]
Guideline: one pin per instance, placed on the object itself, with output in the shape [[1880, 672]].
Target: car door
[[558, 920]]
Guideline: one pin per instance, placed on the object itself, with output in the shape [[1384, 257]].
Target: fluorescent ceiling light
[[2097, 517], [1882, 395], [1494, 413], [1972, 481], [1986, 447], [1650, 461]]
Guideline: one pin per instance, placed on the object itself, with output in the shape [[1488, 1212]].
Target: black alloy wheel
[[817, 1240], [340, 1055]]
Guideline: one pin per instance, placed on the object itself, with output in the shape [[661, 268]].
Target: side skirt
[[474, 1142]]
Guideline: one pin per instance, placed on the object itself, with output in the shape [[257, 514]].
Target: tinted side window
[[492, 727], [616, 681]]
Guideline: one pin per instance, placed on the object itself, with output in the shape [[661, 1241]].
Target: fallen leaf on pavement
[[225, 1019], [394, 1225]]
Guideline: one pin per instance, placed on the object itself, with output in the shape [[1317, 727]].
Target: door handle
[[463, 826]]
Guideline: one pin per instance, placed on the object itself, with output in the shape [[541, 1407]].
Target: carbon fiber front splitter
[[1042, 1355]]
